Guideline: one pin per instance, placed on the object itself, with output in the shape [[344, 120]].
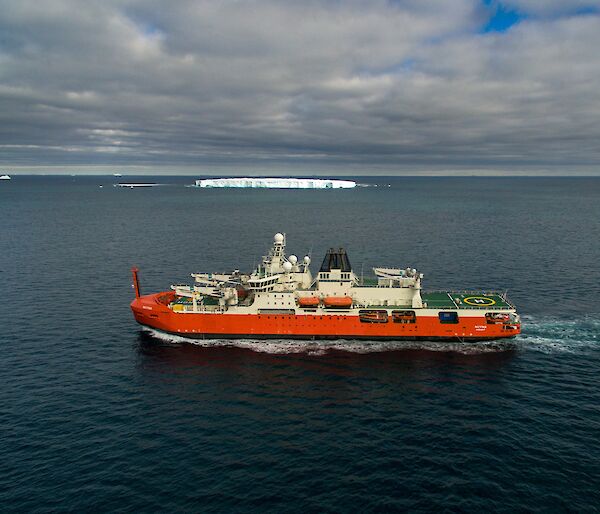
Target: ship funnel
[[335, 259]]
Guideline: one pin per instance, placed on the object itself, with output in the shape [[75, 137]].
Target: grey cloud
[[392, 86]]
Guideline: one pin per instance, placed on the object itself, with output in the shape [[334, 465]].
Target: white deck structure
[[280, 281]]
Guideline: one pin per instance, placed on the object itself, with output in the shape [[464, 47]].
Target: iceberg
[[277, 183], [131, 185]]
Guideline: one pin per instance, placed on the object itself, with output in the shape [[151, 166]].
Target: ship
[[282, 299]]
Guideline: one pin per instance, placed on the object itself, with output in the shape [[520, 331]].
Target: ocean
[[99, 414]]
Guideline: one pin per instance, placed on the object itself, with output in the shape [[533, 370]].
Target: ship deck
[[431, 300], [464, 300]]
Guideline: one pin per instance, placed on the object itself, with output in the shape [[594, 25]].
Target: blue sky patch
[[501, 17], [582, 11]]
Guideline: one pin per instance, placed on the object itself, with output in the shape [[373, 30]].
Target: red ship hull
[[152, 311]]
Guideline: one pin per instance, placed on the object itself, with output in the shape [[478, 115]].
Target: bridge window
[[448, 317]]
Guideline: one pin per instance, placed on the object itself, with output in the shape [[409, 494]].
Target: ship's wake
[[321, 347], [547, 335], [551, 334]]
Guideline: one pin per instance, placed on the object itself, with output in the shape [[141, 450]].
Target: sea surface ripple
[[99, 414]]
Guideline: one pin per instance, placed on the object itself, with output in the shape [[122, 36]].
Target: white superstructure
[[282, 281]]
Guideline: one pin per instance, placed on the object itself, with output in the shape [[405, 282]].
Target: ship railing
[[367, 282], [201, 308], [466, 291], [375, 283], [505, 297]]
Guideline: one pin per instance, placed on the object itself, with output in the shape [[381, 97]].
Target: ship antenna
[[362, 274]]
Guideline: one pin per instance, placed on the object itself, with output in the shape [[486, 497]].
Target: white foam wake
[[321, 347], [546, 335], [551, 334]]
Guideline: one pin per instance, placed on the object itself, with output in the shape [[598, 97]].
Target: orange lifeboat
[[373, 316], [308, 301], [338, 301]]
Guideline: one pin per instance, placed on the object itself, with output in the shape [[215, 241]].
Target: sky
[[294, 87]]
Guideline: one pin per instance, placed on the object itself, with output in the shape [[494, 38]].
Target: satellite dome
[[278, 237], [287, 267], [307, 260], [293, 259]]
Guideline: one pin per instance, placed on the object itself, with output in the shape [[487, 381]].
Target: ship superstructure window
[[448, 317]]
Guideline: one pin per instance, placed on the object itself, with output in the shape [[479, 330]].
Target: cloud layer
[[393, 86]]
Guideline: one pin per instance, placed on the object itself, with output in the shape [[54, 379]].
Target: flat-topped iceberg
[[277, 183]]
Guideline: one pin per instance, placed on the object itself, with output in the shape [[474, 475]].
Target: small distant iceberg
[[277, 183], [4, 177]]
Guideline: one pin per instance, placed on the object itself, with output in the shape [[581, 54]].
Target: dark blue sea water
[[97, 414]]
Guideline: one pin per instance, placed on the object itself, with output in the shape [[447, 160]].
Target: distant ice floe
[[277, 183]]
